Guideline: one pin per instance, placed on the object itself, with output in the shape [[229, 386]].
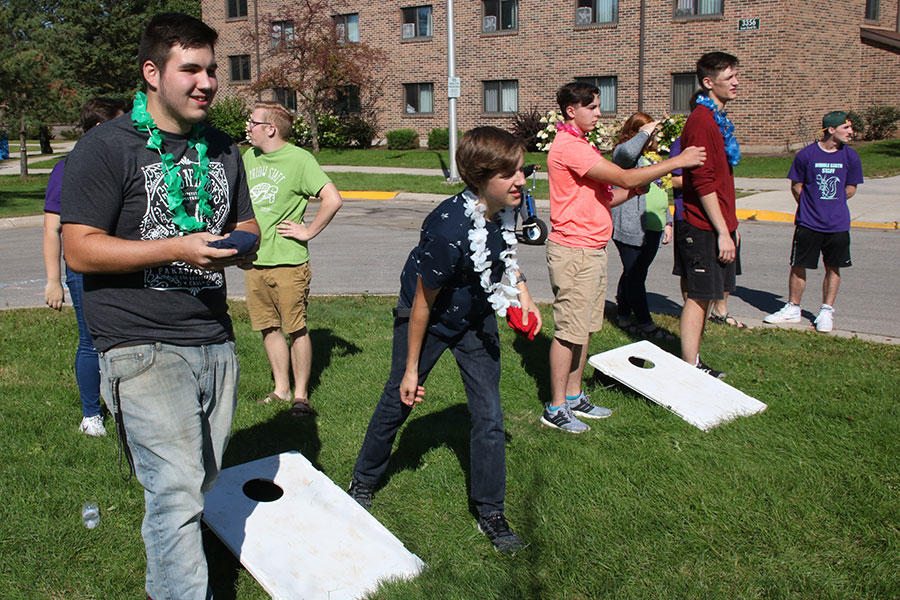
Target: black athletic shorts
[[808, 244], [697, 252]]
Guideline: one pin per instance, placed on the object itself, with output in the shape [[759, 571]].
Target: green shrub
[[439, 138], [70, 134], [359, 132], [230, 115], [858, 122], [526, 126], [331, 132], [402, 139], [881, 121]]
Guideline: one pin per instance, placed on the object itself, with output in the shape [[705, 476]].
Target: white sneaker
[[789, 313], [93, 426], [825, 321]]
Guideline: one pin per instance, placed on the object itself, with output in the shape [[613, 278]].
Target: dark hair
[[166, 30], [692, 103], [100, 110], [632, 125], [487, 151], [577, 92], [713, 63]]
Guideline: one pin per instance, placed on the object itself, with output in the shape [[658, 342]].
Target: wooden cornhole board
[[313, 542], [699, 399]]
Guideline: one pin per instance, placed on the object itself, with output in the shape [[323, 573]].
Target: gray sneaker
[[563, 418], [583, 407]]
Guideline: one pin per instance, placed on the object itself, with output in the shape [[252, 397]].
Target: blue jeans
[[87, 365], [477, 353], [176, 404], [631, 295]]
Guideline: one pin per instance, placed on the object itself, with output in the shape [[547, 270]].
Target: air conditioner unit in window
[[583, 15], [409, 31], [489, 23]]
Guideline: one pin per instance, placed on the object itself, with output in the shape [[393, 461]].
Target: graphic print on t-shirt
[[157, 224], [827, 186]]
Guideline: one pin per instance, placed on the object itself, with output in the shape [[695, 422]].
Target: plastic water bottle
[[90, 515]]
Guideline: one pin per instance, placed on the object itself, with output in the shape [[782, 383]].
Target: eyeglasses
[[251, 123]]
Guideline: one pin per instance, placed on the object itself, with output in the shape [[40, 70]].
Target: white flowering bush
[[669, 130], [601, 137]]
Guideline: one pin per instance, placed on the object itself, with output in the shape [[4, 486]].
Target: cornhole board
[[313, 542], [699, 399]]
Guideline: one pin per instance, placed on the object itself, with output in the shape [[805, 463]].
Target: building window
[[286, 97], [500, 15], [418, 98], [501, 96], [873, 12], [346, 100], [235, 9], [683, 87], [282, 34], [240, 67], [347, 28], [416, 22], [596, 12], [694, 8], [608, 87]]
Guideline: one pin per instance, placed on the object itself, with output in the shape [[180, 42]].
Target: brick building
[[798, 59]]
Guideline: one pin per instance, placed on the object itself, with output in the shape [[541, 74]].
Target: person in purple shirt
[[87, 369], [824, 175]]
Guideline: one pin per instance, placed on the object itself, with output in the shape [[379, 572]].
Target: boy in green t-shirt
[[281, 178]]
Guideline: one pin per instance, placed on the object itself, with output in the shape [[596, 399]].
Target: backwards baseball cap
[[835, 118]]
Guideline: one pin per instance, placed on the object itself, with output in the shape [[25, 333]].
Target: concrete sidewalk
[[876, 204]]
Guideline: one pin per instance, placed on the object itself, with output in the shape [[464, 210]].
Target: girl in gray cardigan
[[638, 227]]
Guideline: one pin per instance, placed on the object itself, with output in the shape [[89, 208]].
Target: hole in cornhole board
[[262, 490], [641, 363]]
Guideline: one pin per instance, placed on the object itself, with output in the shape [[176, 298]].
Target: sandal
[[656, 333], [725, 319], [300, 408], [271, 397]]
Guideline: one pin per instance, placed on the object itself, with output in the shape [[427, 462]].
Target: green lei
[[174, 194]]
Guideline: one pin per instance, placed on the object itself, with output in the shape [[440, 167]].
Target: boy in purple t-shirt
[[823, 177]]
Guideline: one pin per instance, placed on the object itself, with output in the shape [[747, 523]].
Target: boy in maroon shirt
[[708, 252]]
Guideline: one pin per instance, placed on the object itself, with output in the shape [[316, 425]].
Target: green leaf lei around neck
[[174, 193]]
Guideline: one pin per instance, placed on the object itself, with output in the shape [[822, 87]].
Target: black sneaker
[[709, 370], [495, 527], [363, 493]]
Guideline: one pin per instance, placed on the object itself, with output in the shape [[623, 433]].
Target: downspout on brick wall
[[641, 61], [258, 62]]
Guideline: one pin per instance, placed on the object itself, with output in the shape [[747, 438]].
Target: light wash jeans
[[176, 404]]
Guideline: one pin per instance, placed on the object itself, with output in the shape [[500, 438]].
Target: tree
[[32, 83], [98, 41], [55, 54], [307, 54]]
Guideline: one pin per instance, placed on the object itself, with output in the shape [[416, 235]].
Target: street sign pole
[[452, 93]]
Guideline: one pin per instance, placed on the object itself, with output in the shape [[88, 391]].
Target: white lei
[[500, 296]]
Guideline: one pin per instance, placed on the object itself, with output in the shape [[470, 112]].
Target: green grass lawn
[[797, 502]]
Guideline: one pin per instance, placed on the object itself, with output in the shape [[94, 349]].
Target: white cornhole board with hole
[[699, 399], [313, 542]]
